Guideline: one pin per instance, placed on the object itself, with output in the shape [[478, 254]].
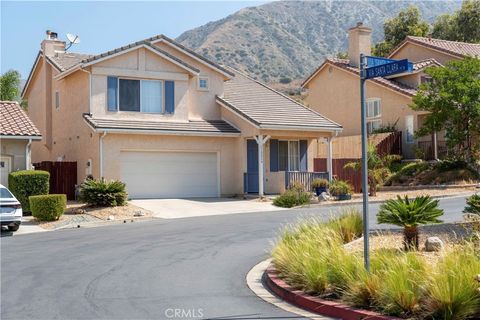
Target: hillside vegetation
[[285, 40]]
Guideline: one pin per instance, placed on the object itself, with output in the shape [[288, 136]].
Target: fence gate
[[63, 176]]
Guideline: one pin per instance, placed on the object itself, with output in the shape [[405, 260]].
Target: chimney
[[359, 41], [51, 45]]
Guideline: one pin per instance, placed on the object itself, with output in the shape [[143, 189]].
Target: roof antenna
[[74, 39]]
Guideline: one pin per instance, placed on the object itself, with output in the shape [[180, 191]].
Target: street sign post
[[377, 67]]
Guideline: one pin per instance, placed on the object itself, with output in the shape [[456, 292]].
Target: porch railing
[[303, 177]]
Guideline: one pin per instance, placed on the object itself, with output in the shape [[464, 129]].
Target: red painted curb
[[315, 304]]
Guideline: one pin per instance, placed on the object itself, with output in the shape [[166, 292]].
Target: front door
[[252, 166], [5, 169]]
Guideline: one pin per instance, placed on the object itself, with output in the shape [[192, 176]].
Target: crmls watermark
[[183, 313]]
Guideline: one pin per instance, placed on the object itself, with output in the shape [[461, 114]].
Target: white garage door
[[170, 174]]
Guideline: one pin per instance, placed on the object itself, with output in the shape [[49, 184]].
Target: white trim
[[155, 75], [229, 76], [21, 137]]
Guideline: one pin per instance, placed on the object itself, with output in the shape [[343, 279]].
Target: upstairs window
[[148, 96], [203, 83]]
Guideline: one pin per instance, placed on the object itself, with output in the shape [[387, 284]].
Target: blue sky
[[101, 26]]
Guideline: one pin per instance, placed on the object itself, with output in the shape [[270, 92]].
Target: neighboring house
[[334, 88], [168, 122], [17, 133]]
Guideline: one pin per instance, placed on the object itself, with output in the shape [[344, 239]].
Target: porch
[[275, 162]]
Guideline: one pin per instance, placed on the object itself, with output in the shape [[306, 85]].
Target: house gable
[[417, 52]]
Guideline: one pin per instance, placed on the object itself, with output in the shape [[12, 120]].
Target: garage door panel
[[170, 174]]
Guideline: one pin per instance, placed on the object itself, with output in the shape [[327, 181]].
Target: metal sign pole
[[364, 161]]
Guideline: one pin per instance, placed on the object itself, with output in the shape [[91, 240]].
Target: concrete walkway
[[197, 207]]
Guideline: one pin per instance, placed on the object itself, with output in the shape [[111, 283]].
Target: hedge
[[26, 183], [48, 207]]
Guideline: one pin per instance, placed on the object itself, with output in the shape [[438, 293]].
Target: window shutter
[[112, 89], [169, 96], [303, 155], [273, 155]]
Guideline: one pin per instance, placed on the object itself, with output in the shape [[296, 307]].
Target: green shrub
[[410, 214], [49, 207], [349, 225], [453, 292], [26, 183], [473, 204], [319, 183], [103, 193], [292, 198], [339, 187]]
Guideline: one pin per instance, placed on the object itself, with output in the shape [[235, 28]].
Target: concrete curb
[[254, 280], [316, 304]]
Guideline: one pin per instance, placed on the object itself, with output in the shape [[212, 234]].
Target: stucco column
[[261, 163], [329, 158], [28, 155]]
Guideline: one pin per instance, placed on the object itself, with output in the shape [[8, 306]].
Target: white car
[[10, 210]]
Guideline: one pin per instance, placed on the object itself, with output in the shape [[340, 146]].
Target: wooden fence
[[352, 176], [63, 176], [391, 144]]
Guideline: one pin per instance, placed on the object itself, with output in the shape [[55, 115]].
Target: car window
[[4, 193]]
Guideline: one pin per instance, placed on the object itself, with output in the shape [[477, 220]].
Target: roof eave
[[300, 128], [20, 137]]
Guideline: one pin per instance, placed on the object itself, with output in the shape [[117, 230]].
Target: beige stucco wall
[[15, 150], [71, 138], [335, 93], [415, 52], [230, 183]]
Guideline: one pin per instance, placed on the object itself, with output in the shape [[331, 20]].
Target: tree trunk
[[410, 238]]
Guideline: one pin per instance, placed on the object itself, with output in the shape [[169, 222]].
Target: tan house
[[168, 122], [334, 88], [17, 133]]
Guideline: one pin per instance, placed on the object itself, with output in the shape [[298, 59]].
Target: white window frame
[[162, 107], [288, 154], [370, 122], [371, 101], [208, 83]]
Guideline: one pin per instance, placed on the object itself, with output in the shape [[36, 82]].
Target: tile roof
[[15, 122], [266, 107], [210, 127], [64, 61], [459, 49], [345, 64], [68, 60], [419, 65]]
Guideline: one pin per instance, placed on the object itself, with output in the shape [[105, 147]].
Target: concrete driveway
[[196, 207]]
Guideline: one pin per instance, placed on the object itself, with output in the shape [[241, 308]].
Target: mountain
[[289, 39]]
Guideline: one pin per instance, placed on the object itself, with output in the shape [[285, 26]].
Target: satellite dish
[[74, 39]]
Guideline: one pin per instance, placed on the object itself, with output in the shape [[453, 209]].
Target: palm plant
[[409, 214], [377, 168]]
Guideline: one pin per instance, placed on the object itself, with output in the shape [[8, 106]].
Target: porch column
[[261, 163], [28, 155], [329, 158], [435, 146]]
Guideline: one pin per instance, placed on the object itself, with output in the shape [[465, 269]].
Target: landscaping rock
[[139, 213], [433, 244], [79, 211], [323, 197], [111, 218]]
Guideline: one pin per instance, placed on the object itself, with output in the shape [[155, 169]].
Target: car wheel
[[13, 228]]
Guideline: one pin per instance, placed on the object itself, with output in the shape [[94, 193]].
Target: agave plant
[[409, 214]]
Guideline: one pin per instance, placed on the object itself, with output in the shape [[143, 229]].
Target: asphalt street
[[192, 268]]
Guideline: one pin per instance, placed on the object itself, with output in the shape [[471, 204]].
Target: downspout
[[28, 160], [101, 152]]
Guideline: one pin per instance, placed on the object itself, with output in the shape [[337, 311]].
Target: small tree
[[452, 99], [408, 22], [10, 87], [377, 168], [410, 214]]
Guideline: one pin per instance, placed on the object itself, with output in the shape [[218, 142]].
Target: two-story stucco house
[[334, 89], [168, 122]]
